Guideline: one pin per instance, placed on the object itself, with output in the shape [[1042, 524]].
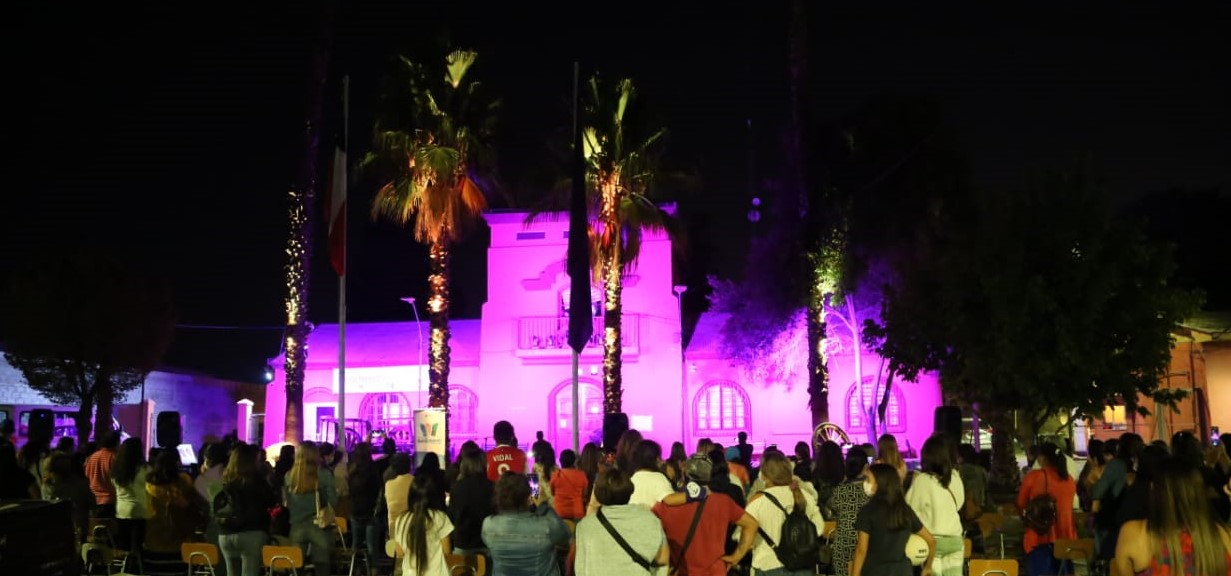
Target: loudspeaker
[[948, 421], [41, 425], [169, 430], [614, 426]]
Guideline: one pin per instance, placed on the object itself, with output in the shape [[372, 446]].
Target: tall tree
[[1044, 301], [302, 203], [621, 169], [84, 330], [430, 145]]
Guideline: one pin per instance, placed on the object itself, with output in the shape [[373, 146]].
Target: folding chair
[[469, 565], [985, 567], [201, 557], [282, 558], [1074, 551]]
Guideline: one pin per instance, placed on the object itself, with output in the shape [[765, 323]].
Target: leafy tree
[[84, 329], [429, 145], [1044, 301]]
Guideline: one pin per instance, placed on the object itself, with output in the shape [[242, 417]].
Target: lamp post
[[678, 290], [418, 359]]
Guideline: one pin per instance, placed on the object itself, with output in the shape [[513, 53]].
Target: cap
[[698, 468]]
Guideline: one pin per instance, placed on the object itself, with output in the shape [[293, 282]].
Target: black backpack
[[800, 548], [228, 507]]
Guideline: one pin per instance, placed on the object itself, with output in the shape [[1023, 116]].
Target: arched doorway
[[391, 412], [560, 412]]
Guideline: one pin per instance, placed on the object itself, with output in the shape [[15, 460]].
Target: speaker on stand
[[41, 425], [614, 426], [169, 430], [948, 421]]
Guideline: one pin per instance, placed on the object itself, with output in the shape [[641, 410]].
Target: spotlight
[[267, 375]]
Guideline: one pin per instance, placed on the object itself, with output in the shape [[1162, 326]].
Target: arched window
[[462, 405], [721, 407], [895, 417], [391, 412], [560, 410]]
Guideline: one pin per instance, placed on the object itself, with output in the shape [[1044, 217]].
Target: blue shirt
[[303, 506], [524, 543]]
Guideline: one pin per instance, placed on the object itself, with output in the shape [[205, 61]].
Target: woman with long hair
[[848, 499], [364, 481], [128, 475], [1090, 472], [887, 452], [1181, 534], [241, 537], [545, 470], [673, 467], [625, 446], [884, 526], [307, 490], [470, 502], [423, 531], [828, 472], [1050, 479], [176, 511], [770, 506], [934, 495]]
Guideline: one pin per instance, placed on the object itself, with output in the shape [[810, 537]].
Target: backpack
[[228, 507], [800, 547], [1040, 512]]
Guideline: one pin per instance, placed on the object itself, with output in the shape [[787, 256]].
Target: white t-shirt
[[771, 518], [649, 487], [438, 528], [935, 505]]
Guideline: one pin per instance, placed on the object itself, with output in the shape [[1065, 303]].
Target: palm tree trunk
[[613, 307], [818, 371], [299, 241], [438, 320]]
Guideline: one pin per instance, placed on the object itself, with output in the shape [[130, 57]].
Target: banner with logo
[[429, 433]]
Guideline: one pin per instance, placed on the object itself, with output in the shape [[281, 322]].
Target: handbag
[[324, 514], [1040, 512], [639, 559], [692, 529]]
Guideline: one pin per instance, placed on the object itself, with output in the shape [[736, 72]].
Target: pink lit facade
[[514, 364]]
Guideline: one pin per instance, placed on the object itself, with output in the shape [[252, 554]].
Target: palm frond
[[456, 65]]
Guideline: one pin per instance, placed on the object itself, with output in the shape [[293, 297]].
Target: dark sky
[[171, 132]]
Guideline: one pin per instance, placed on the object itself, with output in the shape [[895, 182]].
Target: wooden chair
[[828, 530], [991, 524], [1074, 550], [967, 546], [282, 558], [466, 565], [201, 557], [984, 567]]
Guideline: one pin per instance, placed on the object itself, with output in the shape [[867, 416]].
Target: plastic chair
[[282, 558], [1074, 550], [984, 567], [991, 523], [201, 557], [460, 565]]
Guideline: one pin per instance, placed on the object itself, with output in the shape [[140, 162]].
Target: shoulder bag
[[639, 559]]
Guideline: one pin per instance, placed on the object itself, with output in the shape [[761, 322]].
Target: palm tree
[[620, 170], [428, 152]]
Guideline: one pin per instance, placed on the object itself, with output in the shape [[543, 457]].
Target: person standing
[[240, 539], [1050, 479], [98, 473], [506, 456], [884, 527], [697, 531]]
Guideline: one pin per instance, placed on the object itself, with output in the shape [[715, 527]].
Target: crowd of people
[[632, 509]]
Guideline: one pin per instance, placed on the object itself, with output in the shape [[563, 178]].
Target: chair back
[[979, 567], [199, 554], [967, 547], [988, 523], [466, 565], [830, 527], [1074, 549], [282, 557]]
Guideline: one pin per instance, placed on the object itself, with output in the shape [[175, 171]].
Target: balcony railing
[[548, 335]]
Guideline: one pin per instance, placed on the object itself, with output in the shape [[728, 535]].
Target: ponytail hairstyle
[[777, 471], [889, 494], [1053, 458]]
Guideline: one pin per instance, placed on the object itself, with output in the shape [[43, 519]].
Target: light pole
[[418, 359], [679, 290]]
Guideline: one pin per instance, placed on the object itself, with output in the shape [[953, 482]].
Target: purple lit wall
[[514, 364]]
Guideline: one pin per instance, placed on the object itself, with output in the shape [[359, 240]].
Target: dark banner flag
[[580, 315]]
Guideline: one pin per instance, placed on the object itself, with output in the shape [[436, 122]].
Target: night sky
[[171, 132]]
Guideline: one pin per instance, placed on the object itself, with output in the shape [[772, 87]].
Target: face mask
[[867, 488]]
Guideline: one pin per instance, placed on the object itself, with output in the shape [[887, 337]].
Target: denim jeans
[[366, 531], [241, 552], [304, 533]]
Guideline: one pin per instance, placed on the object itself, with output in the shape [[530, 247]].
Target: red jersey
[[704, 554], [503, 459]]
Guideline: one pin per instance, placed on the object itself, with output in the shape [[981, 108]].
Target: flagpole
[[342, 277], [576, 352]]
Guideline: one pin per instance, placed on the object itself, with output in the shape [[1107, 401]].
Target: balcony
[[546, 338]]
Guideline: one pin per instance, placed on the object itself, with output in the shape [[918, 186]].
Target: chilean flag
[[337, 212]]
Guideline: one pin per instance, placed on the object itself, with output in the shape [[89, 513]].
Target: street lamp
[[418, 359], [678, 290]]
